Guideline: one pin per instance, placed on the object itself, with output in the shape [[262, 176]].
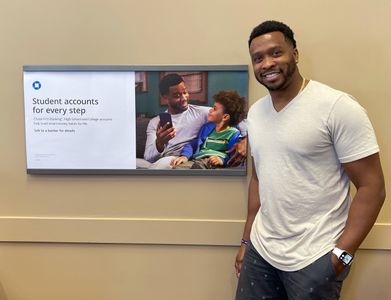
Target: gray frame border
[[133, 68]]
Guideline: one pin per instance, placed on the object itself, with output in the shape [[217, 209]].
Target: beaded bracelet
[[245, 242]]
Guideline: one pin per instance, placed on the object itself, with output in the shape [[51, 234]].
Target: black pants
[[259, 280]]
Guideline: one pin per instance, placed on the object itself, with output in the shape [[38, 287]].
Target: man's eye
[[276, 53], [257, 59]]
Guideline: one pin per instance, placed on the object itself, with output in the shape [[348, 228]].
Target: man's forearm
[[159, 146], [367, 176], [253, 204], [151, 154], [363, 212]]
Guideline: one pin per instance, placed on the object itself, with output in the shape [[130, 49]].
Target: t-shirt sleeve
[[150, 153], [242, 126], [351, 130]]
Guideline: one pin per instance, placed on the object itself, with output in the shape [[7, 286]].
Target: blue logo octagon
[[37, 85]]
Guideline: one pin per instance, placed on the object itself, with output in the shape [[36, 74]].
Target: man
[[307, 140], [165, 143]]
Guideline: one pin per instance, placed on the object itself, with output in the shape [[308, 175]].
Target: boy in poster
[[216, 137]]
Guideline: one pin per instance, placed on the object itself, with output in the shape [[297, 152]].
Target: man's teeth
[[270, 75]]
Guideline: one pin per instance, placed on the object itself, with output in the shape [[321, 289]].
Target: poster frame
[[240, 171]]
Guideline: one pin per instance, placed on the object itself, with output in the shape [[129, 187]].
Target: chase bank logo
[[36, 85]]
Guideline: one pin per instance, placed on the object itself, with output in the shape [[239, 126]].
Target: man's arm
[[367, 176], [253, 206], [239, 151], [152, 152], [231, 143]]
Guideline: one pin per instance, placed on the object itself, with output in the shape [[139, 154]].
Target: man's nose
[[268, 62]]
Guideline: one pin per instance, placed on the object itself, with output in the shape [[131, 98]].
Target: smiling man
[[307, 141], [165, 143]]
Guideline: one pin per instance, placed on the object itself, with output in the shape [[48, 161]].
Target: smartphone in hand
[[164, 119]]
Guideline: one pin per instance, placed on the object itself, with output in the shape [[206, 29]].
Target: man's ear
[[296, 55], [226, 118], [165, 98]]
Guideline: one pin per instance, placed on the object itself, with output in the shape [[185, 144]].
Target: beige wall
[[175, 247]]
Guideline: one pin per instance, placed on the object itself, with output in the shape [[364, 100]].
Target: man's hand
[[239, 259], [215, 161], [179, 160], [338, 266], [163, 135], [240, 154]]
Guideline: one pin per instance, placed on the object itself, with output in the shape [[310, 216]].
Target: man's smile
[[270, 75]]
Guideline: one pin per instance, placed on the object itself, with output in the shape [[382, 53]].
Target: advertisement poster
[[80, 120], [106, 119]]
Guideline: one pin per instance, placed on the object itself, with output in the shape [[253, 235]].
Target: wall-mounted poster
[[176, 120]]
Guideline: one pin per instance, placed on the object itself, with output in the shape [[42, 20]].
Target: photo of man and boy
[[193, 136]]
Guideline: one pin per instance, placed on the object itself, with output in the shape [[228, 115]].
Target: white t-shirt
[[304, 191], [186, 124]]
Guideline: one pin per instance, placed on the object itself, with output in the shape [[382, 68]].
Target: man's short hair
[[272, 26], [233, 104], [167, 81]]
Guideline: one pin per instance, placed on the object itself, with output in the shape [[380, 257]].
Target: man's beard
[[180, 108], [287, 79]]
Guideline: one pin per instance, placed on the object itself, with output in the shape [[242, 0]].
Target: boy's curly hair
[[233, 104]]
